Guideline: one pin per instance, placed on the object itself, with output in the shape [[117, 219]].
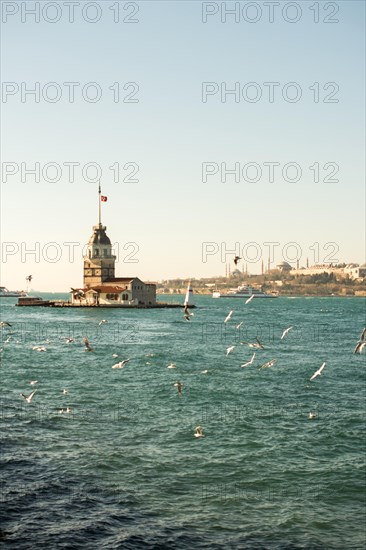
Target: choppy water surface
[[123, 469]]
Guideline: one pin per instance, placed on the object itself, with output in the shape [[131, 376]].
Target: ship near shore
[[243, 291], [5, 293]]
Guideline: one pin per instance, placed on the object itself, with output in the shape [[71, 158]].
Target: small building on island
[[100, 285]]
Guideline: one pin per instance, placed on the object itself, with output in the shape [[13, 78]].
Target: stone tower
[[99, 261]]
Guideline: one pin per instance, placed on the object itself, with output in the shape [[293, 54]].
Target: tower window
[[105, 252], [96, 252]]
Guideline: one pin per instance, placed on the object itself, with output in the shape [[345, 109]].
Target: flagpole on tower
[[100, 205]]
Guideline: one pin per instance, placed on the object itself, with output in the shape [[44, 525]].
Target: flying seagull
[[251, 344], [269, 364], [87, 344], [229, 316], [249, 299], [236, 259], [312, 416], [318, 372], [121, 364], [256, 344], [198, 432], [103, 321], [285, 332], [179, 387], [30, 396], [239, 325], [64, 391], [230, 349], [186, 310], [259, 343], [359, 347], [362, 337], [249, 362], [5, 324]]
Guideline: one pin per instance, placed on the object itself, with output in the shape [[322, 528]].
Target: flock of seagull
[[360, 346]]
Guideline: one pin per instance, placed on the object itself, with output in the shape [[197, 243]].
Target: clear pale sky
[[170, 131]]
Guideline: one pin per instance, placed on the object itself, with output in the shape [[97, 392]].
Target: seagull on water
[[318, 372], [69, 340], [229, 316], [28, 398], [4, 324], [285, 333], [204, 371], [33, 382], [230, 349], [64, 391], [39, 348], [312, 416], [121, 364], [269, 364], [179, 387], [114, 354], [171, 366], [249, 299], [87, 344], [198, 432], [249, 362], [67, 410], [103, 321]]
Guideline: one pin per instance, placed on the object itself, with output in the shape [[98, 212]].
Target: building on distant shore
[[101, 286], [353, 271]]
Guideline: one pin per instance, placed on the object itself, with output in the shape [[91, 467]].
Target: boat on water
[[243, 291], [5, 293]]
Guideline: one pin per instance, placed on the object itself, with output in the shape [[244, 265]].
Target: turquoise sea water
[[123, 469]]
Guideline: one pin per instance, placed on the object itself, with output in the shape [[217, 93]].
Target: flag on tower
[[103, 198]]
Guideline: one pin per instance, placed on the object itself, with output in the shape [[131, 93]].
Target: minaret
[[99, 261]]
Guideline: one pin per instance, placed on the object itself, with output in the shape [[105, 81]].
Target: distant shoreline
[[281, 295]]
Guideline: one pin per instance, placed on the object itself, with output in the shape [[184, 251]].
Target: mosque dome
[[284, 266]]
